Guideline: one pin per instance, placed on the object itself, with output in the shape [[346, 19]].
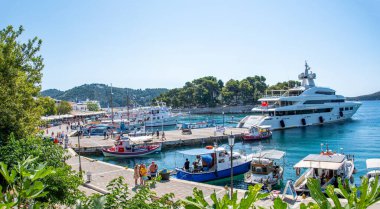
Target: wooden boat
[[264, 170], [125, 147], [257, 133]]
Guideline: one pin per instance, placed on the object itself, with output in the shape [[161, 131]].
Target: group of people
[[142, 173], [197, 164]]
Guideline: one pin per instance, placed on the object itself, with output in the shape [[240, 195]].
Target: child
[[136, 174], [143, 174]]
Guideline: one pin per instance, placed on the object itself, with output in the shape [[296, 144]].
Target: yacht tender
[[300, 106]]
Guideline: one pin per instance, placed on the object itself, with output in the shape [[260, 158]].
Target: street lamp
[[223, 118], [80, 164], [231, 142]]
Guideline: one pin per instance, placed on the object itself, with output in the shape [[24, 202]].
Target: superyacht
[[300, 106]]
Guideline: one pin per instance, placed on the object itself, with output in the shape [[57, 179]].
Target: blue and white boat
[[216, 164]]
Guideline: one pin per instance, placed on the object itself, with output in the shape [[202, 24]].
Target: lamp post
[[223, 118], [231, 142], [80, 164]]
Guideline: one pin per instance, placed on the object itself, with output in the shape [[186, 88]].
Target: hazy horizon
[[163, 44]]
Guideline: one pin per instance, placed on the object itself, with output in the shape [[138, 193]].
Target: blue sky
[[145, 44]]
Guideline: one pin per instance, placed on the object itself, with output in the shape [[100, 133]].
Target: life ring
[[341, 114], [282, 123], [209, 147], [298, 171]]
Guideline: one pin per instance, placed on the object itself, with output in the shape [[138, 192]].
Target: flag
[[264, 103]]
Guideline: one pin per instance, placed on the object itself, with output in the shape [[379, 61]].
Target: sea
[[359, 136]]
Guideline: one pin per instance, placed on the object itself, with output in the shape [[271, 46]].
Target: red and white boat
[[258, 133], [126, 147]]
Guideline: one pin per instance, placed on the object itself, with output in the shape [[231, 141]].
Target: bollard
[[88, 176]]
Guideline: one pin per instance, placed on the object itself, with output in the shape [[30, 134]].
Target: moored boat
[[326, 167], [257, 133], [264, 170], [127, 148], [373, 168], [216, 164]]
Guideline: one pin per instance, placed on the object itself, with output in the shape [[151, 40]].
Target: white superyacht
[[300, 106]]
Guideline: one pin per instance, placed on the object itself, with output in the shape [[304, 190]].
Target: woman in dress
[[136, 174]]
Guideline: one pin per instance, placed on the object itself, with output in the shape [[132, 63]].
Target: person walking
[[143, 174], [136, 174], [153, 170]]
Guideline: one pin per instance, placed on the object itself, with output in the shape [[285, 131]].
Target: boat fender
[[282, 123], [321, 119], [303, 121], [298, 171], [341, 114], [209, 147]]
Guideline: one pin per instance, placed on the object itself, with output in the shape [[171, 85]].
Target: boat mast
[[111, 105]]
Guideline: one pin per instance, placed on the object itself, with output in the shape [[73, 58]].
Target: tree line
[[210, 92]]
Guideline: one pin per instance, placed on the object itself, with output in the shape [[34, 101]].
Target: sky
[[163, 44]]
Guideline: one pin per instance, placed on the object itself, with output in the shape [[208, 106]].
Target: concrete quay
[[175, 138]]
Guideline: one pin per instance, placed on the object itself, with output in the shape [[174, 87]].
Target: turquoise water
[[359, 136]]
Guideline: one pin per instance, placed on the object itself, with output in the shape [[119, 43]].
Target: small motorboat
[[216, 164], [257, 133], [327, 167], [265, 170], [126, 147], [373, 168]]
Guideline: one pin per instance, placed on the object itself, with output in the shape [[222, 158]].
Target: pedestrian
[[136, 174], [105, 134], [143, 174], [163, 136], [158, 134], [67, 128], [153, 170]]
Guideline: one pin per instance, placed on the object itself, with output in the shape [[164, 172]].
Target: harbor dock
[[174, 138]]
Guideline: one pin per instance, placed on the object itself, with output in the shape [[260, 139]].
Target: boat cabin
[[373, 168]]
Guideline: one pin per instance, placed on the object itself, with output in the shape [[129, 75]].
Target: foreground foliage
[[24, 184], [62, 187], [120, 197], [20, 79], [360, 197]]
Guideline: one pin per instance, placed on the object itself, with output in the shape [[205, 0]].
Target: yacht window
[[351, 108], [341, 109], [346, 108], [325, 92], [323, 101]]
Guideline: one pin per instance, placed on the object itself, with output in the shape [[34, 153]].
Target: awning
[[322, 165], [269, 154], [198, 151], [373, 163], [331, 162]]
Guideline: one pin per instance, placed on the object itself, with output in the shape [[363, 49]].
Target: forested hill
[[102, 92], [210, 92], [374, 96]]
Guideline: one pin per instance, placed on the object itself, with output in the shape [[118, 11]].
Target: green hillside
[[374, 96], [101, 93]]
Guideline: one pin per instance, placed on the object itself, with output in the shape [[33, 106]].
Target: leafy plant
[[62, 187], [23, 184], [250, 197], [120, 197], [360, 197]]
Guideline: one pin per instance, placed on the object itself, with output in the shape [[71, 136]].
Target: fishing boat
[[257, 133], [216, 164], [373, 168], [126, 147], [326, 167], [264, 170]]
